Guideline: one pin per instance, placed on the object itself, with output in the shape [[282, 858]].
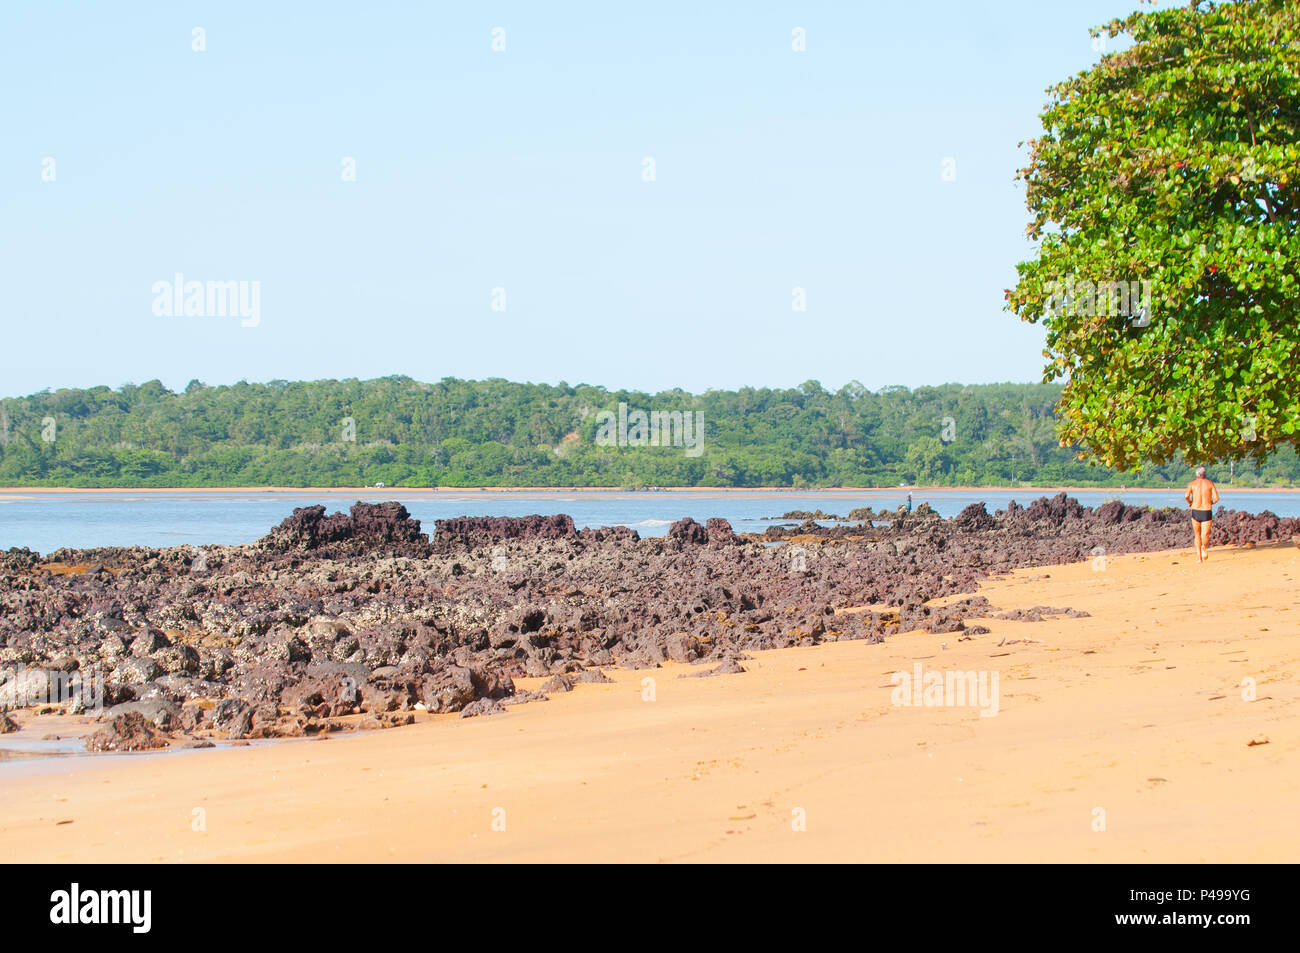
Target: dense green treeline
[[496, 433]]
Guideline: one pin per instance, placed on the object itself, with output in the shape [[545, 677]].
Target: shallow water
[[46, 523], [24, 756], [15, 747]]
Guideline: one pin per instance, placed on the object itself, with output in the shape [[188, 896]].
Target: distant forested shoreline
[[402, 432]]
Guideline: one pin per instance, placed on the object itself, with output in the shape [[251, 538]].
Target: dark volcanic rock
[[557, 683], [233, 716], [370, 528], [159, 711], [334, 686], [689, 532], [463, 533], [484, 706], [1240, 528], [455, 686], [127, 732], [720, 532], [1055, 511], [360, 615], [1039, 613], [729, 667], [805, 515], [974, 518]]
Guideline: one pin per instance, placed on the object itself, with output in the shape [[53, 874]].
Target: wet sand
[[1137, 712]]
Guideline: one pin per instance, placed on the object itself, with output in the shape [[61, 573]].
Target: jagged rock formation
[[359, 620]]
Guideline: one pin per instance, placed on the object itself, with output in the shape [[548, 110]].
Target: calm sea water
[[46, 523]]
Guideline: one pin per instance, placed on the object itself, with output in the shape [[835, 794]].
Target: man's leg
[[1205, 539], [1196, 538]]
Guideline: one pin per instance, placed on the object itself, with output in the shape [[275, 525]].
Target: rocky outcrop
[[464, 533], [369, 529], [687, 532], [973, 519], [336, 622], [804, 515], [127, 732]]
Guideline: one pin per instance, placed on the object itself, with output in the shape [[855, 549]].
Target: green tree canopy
[[403, 432], [1173, 162]]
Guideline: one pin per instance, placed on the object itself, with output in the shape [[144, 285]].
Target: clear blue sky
[[522, 169]]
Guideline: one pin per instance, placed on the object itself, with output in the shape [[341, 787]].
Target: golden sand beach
[[1130, 736]]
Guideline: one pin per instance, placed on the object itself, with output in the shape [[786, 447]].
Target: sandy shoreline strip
[[707, 491], [1133, 719]]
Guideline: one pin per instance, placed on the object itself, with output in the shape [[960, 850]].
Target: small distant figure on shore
[[909, 502], [1201, 496]]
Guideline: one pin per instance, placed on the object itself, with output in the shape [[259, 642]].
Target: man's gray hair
[[1200, 473]]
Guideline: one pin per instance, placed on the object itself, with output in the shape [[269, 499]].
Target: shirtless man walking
[[1201, 496]]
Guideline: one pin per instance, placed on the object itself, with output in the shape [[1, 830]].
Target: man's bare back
[[1201, 496]]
